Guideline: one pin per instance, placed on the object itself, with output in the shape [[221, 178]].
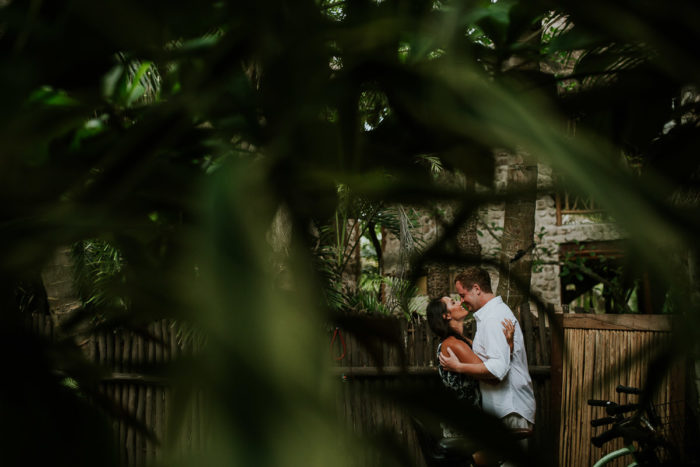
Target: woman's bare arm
[[463, 352], [478, 370], [467, 359], [452, 360]]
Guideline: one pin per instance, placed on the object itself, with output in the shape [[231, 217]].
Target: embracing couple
[[490, 371]]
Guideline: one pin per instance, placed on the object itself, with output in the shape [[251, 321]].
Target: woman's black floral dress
[[466, 387]]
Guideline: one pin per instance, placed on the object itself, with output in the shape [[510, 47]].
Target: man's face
[[468, 296]]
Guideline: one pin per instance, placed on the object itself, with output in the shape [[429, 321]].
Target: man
[[511, 399]]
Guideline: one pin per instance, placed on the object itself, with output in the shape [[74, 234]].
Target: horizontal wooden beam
[[126, 378], [365, 371], [135, 378], [627, 322], [581, 211], [384, 371]]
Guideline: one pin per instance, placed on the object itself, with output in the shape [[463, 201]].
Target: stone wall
[[545, 281]]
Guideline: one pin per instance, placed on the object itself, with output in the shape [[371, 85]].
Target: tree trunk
[[58, 280], [518, 236], [467, 239], [467, 242], [350, 275], [438, 282], [468, 245]]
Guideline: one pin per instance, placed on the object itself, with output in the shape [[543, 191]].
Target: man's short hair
[[475, 275]]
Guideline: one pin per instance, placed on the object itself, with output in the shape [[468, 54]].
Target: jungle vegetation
[[177, 132]]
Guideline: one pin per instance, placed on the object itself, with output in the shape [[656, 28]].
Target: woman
[[446, 319]]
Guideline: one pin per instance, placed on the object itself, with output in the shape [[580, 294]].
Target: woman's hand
[[509, 331], [450, 362]]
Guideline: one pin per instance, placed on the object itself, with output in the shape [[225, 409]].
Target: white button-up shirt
[[514, 393]]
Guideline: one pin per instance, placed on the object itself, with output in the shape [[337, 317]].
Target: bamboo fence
[[363, 378], [602, 352], [140, 401], [576, 378]]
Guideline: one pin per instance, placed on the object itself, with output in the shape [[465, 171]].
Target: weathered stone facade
[[545, 281]]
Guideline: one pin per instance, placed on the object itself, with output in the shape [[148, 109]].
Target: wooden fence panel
[[148, 399], [136, 395], [603, 351], [365, 414]]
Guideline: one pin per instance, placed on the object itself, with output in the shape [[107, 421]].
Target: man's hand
[[449, 363]]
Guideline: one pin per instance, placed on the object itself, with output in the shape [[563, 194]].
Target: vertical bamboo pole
[[411, 343], [625, 352], [117, 343], [158, 335], [193, 424], [167, 355], [166, 411], [359, 407], [92, 348], [542, 331], [557, 376], [172, 339], [568, 398], [167, 402], [578, 389], [574, 392], [129, 393], [117, 388], [194, 408], [526, 327], [564, 400], [403, 354], [141, 400], [35, 322], [431, 346], [349, 349], [48, 327], [150, 395], [158, 392], [421, 344], [100, 344], [202, 417], [388, 352], [111, 387], [614, 344], [168, 406], [360, 353]]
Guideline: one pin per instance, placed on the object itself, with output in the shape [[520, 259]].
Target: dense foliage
[[176, 131]]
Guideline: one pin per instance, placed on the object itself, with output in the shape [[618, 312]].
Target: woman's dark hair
[[434, 312]]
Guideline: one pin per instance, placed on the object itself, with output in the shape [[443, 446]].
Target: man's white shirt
[[513, 394]]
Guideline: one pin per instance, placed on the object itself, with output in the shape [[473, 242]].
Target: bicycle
[[640, 432]]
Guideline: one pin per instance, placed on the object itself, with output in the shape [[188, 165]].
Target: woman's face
[[455, 310]]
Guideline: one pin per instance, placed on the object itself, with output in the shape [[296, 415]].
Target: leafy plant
[[258, 106], [98, 274]]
